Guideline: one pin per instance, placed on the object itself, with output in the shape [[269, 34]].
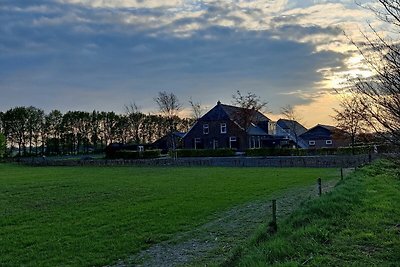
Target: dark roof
[[293, 125], [227, 112], [179, 134], [255, 130], [327, 128]]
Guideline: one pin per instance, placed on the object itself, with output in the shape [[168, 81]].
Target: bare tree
[[197, 109], [352, 117], [135, 120], [169, 106], [250, 105], [380, 94], [293, 122]]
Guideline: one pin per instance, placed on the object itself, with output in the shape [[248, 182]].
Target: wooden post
[[319, 187], [274, 211], [341, 173], [272, 226]]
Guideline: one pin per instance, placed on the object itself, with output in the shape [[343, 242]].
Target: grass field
[[358, 224], [94, 216]]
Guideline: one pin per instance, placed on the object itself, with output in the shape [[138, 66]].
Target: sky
[[106, 54]]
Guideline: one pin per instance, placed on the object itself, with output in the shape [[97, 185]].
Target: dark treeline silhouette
[[31, 131]]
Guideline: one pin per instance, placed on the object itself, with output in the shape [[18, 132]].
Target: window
[[255, 142], [328, 142], [206, 129], [232, 142], [311, 143], [223, 128], [215, 143], [197, 142]]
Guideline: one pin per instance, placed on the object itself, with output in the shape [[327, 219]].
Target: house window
[[215, 143], [206, 129], [328, 142], [232, 142], [223, 128], [197, 142], [255, 142], [311, 143]]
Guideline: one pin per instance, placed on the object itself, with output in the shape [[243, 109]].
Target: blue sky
[[98, 54]]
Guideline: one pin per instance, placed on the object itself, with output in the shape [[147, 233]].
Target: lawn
[[358, 224], [81, 216]]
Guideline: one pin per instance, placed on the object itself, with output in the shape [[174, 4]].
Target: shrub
[[129, 154], [205, 152]]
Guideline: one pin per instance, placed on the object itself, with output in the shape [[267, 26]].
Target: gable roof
[[292, 125], [227, 112], [329, 128]]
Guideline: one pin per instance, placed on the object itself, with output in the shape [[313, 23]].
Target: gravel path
[[213, 242]]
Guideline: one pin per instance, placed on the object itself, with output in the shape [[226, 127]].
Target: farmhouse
[[324, 136], [226, 126]]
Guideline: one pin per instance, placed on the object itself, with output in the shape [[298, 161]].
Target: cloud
[[105, 54]]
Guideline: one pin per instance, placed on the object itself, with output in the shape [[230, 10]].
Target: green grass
[[358, 224], [94, 216]]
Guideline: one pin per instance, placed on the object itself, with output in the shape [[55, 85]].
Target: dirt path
[[212, 243]]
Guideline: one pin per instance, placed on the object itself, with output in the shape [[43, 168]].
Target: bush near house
[[206, 152], [129, 154], [258, 152]]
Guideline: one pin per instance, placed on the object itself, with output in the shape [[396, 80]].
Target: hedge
[[309, 152], [205, 152], [129, 154]]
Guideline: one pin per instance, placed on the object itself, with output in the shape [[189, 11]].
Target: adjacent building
[[323, 136]]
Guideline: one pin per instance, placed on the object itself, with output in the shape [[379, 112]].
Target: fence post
[[319, 187], [272, 226], [341, 173]]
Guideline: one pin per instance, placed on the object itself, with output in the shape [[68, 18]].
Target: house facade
[[226, 126], [324, 136]]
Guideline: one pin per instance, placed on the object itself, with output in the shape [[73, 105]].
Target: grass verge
[[88, 216], [358, 224]]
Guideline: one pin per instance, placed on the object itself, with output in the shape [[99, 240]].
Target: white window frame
[[232, 139], [328, 142], [311, 143], [223, 128], [206, 128], [196, 141]]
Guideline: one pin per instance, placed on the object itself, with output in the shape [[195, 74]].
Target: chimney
[[219, 103]]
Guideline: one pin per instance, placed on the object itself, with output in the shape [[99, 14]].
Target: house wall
[[320, 135], [214, 138]]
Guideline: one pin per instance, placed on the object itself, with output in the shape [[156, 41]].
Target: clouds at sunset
[[97, 54]]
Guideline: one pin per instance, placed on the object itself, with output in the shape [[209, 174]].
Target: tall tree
[[352, 118], [16, 120], [197, 109], [380, 94], [52, 132], [3, 145], [250, 105], [169, 106], [135, 122], [34, 127]]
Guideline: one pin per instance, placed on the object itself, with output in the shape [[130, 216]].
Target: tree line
[[31, 131]]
